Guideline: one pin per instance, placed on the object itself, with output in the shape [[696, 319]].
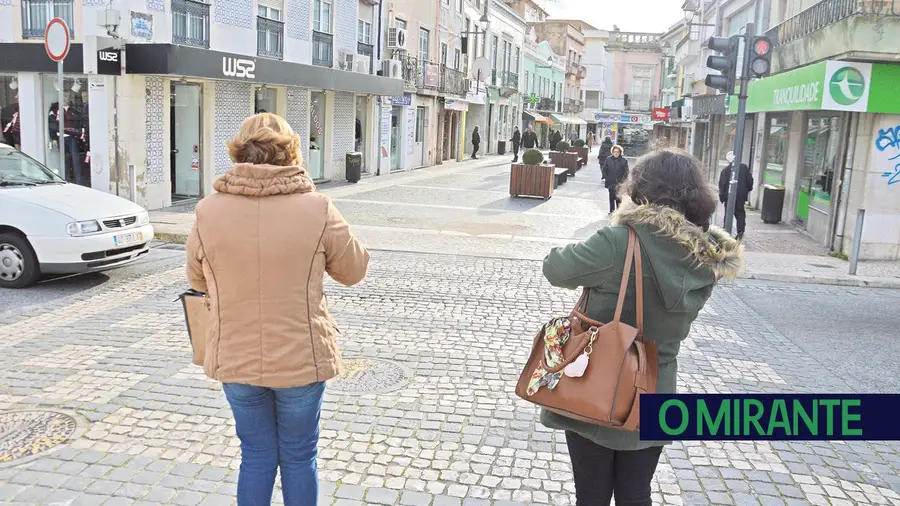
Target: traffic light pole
[[739, 133]]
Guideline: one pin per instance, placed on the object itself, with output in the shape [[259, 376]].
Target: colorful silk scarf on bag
[[556, 333]]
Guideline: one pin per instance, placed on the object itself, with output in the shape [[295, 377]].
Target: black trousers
[[475, 150], [600, 473], [515, 151], [614, 200], [740, 218]]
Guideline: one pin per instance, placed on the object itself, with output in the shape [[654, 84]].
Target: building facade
[[596, 62], [154, 89], [544, 75], [566, 38]]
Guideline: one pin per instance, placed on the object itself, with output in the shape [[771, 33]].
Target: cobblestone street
[[99, 402]]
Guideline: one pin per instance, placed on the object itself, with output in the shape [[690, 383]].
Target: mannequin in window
[[10, 124]]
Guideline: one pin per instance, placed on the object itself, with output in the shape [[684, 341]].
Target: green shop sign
[[827, 86]]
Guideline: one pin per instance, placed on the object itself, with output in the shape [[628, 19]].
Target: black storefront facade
[[177, 106]]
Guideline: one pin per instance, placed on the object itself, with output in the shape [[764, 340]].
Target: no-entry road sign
[[56, 39]]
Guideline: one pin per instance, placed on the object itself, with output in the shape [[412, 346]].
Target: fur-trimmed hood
[[264, 180], [713, 248]]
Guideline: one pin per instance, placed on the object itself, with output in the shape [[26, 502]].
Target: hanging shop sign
[[660, 113], [827, 86], [109, 62], [622, 118], [456, 105], [709, 105]]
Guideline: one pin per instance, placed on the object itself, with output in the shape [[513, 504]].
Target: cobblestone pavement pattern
[[425, 417]]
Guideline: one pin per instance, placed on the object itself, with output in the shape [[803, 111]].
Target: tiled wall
[[297, 19], [234, 103], [156, 5], [234, 12], [153, 112], [298, 115], [344, 131], [345, 27]]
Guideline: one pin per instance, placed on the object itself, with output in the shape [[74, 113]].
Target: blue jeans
[[278, 427]]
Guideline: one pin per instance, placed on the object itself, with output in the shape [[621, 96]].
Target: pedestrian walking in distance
[[260, 248], [516, 140], [683, 257], [744, 187], [615, 172], [529, 138], [605, 148], [476, 141]]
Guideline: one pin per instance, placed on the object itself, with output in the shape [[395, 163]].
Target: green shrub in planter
[[562, 146], [532, 157], [579, 143]]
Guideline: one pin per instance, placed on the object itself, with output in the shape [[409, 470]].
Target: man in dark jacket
[[615, 172], [529, 138], [476, 141], [744, 187], [605, 147], [516, 140]]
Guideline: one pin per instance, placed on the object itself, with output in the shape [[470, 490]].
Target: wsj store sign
[[237, 67]]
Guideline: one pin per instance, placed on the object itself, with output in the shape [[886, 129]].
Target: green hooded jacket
[[681, 265]]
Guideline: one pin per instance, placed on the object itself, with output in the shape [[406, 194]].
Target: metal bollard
[[857, 240]]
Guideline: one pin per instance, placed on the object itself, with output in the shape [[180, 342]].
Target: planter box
[[531, 180], [566, 160], [582, 154]]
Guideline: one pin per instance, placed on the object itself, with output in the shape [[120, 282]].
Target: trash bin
[[501, 147], [354, 167], [772, 203]]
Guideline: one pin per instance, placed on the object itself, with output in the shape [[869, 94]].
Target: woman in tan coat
[[260, 248]]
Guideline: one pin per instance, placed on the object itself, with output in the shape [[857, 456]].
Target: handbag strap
[[632, 255]]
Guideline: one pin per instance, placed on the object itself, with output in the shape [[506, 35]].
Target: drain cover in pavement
[[823, 266], [27, 433], [369, 375]]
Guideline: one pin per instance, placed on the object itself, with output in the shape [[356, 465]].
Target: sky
[[654, 16]]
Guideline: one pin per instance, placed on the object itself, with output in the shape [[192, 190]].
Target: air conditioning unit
[[392, 69], [350, 60], [397, 39], [362, 64]]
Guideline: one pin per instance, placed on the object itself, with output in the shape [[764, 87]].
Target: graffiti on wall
[[889, 138]]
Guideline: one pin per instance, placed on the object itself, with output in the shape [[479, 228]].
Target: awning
[[537, 117], [568, 120]]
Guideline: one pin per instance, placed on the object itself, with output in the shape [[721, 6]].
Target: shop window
[[10, 122], [76, 135], [776, 150], [819, 165], [266, 100]]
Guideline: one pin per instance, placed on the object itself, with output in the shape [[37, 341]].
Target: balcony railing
[[547, 104], [366, 51], [323, 49], [582, 72], [509, 80], [828, 12], [37, 13], [190, 23], [269, 38], [412, 74], [454, 82], [574, 106], [420, 75]]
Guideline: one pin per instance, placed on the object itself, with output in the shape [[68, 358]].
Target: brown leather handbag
[[620, 366]]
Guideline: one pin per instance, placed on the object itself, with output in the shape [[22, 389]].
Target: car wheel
[[18, 264]]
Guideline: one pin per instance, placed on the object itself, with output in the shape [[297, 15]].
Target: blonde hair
[[266, 139]]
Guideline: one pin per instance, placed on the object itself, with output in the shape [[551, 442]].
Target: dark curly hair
[[672, 178]]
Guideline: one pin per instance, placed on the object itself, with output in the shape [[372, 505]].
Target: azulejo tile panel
[[234, 103], [153, 112], [344, 125], [297, 19], [345, 27], [298, 115], [234, 12], [156, 5]]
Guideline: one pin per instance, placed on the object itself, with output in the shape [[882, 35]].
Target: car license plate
[[126, 239]]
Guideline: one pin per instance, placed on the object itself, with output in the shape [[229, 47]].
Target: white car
[[48, 226]]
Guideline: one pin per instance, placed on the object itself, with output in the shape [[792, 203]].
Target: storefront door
[[396, 138], [185, 140], [819, 165], [419, 150]]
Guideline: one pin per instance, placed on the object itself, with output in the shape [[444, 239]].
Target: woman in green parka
[[683, 258]]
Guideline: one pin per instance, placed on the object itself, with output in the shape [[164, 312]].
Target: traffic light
[[760, 57], [726, 63]]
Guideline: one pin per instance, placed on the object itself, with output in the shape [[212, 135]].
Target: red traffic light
[[762, 47]]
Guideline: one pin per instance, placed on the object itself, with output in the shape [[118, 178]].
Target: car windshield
[[16, 168]]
